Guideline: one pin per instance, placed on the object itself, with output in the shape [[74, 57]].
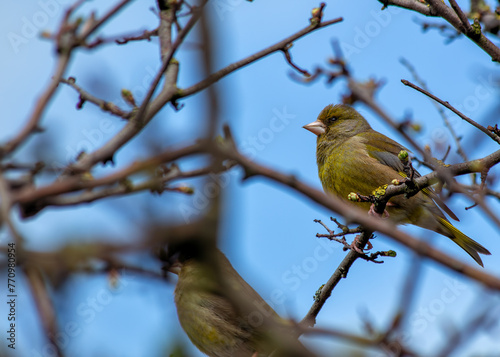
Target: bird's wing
[[386, 151]]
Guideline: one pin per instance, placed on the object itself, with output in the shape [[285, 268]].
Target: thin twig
[[5, 211], [439, 108], [44, 306], [87, 97], [479, 312], [106, 152], [440, 9], [156, 185], [167, 57], [95, 25], [214, 77], [413, 5], [70, 184], [463, 18], [450, 107], [146, 112], [288, 57], [341, 272], [32, 126]]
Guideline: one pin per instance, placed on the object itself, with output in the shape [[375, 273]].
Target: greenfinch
[[352, 157], [205, 300]]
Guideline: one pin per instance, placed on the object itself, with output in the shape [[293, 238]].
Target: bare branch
[[340, 272], [447, 105], [440, 110], [44, 306], [94, 26], [463, 18], [255, 57], [439, 9], [145, 112], [70, 184], [87, 97], [32, 126], [413, 5]]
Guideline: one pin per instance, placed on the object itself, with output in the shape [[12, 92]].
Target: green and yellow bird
[[352, 157], [224, 316]]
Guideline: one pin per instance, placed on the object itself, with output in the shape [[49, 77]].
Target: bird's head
[[338, 120]]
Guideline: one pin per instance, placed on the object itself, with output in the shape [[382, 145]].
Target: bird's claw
[[372, 212], [354, 246]]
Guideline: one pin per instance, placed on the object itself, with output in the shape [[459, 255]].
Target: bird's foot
[[354, 246], [372, 212]]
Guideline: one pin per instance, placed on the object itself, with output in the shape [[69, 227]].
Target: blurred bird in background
[[223, 315]]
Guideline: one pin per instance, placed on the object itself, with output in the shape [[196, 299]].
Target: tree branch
[[214, 77], [438, 8], [413, 5], [341, 272], [447, 105], [32, 126], [87, 97], [30, 195]]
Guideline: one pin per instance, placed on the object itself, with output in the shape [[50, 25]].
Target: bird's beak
[[316, 127]]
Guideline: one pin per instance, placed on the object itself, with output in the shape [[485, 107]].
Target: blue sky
[[268, 231]]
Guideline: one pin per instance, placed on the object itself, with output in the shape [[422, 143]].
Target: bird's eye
[[332, 119]]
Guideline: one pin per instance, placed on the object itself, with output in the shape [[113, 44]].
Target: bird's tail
[[468, 244]]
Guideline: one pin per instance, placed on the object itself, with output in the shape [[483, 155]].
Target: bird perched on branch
[[223, 315], [354, 158]]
